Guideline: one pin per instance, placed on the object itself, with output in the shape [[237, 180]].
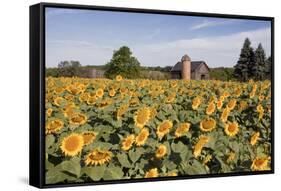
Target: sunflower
[[72, 144], [261, 113], [111, 92], [153, 112], [174, 84], [58, 101], [173, 173], [222, 98], [54, 126], [89, 137], [68, 111], [231, 104], [99, 92], [121, 111], [142, 116], [91, 100], [49, 112], [161, 151], [225, 114], [261, 97], [128, 142], [74, 89], [219, 104], [255, 138], [170, 98], [98, 157], [211, 108], [59, 90], [207, 159], [104, 103], [164, 128], [207, 124], [134, 101], [259, 108], [199, 145], [260, 163], [238, 92], [142, 137], [152, 173], [230, 157], [253, 92], [69, 97], [183, 128], [226, 94], [196, 102], [83, 97], [123, 90], [231, 128], [243, 105], [119, 78], [78, 119]]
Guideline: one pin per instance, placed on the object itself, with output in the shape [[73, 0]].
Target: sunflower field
[[101, 129]]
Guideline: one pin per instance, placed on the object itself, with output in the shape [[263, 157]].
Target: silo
[[186, 67]]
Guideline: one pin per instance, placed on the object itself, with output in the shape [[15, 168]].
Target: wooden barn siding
[[202, 70]]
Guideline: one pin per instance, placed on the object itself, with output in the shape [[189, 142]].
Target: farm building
[[95, 73], [187, 69]]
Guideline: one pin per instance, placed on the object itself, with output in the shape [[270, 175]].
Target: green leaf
[[179, 147], [95, 172], [169, 164], [151, 142], [50, 139], [211, 143], [123, 159], [53, 177], [48, 165], [102, 145], [113, 173], [72, 166], [195, 168], [260, 151], [186, 155], [234, 146], [135, 155]]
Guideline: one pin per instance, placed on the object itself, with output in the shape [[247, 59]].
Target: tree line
[[122, 63], [252, 64]]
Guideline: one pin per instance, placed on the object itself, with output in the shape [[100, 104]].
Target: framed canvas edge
[[38, 89], [36, 155]]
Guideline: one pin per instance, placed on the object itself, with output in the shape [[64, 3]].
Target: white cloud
[[206, 23], [216, 51], [88, 53]]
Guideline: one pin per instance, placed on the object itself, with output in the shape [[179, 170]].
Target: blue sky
[[156, 40]]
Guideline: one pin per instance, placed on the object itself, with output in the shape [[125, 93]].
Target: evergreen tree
[[123, 63], [243, 68], [259, 69], [268, 67]]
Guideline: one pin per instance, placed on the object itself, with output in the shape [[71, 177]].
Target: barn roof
[[194, 65]]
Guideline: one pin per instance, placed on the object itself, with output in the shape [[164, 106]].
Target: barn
[[187, 69]]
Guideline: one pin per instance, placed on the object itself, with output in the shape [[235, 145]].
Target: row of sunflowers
[[100, 129]]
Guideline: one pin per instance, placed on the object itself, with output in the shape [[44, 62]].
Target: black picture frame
[[37, 92]]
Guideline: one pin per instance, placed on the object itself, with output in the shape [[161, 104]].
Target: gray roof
[[185, 58], [194, 65]]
